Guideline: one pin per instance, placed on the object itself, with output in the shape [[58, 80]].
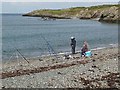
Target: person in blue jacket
[[73, 45]]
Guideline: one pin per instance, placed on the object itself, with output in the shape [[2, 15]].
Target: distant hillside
[[107, 13]]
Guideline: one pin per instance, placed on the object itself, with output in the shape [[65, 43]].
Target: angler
[[73, 44]]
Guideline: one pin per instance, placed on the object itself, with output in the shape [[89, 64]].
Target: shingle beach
[[98, 71]]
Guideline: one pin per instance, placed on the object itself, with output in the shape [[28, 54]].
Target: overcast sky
[[60, 0], [23, 7]]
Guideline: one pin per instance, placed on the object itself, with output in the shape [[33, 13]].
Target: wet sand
[[98, 71]]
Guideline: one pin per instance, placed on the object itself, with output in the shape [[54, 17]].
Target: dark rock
[[3, 87], [59, 72], [94, 66], [91, 70], [93, 60], [66, 57], [40, 59], [95, 54], [47, 16], [109, 72]]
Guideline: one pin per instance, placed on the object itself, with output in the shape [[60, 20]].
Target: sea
[[32, 36]]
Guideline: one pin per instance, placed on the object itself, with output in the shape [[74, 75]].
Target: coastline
[[55, 56], [102, 58], [101, 13]]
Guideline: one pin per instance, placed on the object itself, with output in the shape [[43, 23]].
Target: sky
[[24, 7], [60, 0]]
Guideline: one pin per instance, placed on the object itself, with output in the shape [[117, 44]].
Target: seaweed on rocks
[[39, 69]]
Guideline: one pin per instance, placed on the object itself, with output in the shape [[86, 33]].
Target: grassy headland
[[107, 13]]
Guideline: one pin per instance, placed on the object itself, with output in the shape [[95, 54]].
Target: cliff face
[[108, 14], [104, 13]]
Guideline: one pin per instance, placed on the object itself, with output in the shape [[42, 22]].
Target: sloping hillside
[[108, 13]]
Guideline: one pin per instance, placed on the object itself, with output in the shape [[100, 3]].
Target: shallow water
[[27, 35]]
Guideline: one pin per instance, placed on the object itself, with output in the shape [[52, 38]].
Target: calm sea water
[[26, 34]]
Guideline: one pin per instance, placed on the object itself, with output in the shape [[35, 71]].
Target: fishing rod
[[22, 55], [50, 47]]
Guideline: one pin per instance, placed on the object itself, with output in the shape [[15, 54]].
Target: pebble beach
[[98, 71]]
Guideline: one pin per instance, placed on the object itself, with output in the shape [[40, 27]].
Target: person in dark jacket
[[73, 44]]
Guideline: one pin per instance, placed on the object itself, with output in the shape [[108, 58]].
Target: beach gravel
[[97, 73]]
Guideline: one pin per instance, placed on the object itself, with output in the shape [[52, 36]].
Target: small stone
[[59, 72], [94, 66], [93, 60]]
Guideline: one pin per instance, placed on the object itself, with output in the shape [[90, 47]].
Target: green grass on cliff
[[103, 6], [60, 11], [73, 10]]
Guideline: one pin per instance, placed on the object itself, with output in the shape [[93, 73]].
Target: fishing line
[[50, 48], [16, 49]]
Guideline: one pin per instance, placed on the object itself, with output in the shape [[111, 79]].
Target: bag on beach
[[88, 53]]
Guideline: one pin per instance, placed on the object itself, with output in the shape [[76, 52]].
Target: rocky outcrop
[[110, 15], [105, 13], [48, 16], [89, 14]]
